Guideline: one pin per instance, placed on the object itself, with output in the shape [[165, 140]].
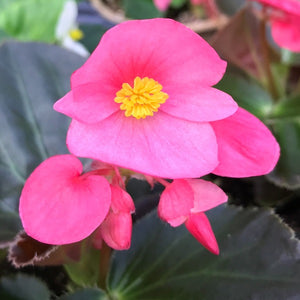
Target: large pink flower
[[59, 205], [144, 101], [185, 201], [285, 22]]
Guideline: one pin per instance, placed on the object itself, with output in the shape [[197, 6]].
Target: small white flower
[[67, 31]]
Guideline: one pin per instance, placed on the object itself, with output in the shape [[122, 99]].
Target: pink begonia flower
[[285, 22], [162, 5], [144, 101], [185, 201], [116, 229], [58, 205]]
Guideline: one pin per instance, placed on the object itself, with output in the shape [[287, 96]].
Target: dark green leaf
[[92, 35], [288, 109], [247, 93], [287, 171], [86, 294], [259, 260], [178, 3], [23, 287], [10, 226], [230, 7], [140, 9], [32, 77]]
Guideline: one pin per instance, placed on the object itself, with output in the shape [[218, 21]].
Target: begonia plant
[[136, 171], [121, 102]]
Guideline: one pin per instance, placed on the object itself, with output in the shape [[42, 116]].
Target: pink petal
[[175, 203], [65, 105], [286, 33], [89, 103], [196, 103], [162, 4], [58, 206], [198, 225], [116, 230], [246, 146], [161, 145], [207, 195], [289, 6], [162, 49], [121, 201]]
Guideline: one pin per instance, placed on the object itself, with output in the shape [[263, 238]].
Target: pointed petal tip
[[198, 225]]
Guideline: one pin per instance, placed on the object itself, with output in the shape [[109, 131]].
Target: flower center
[[141, 100], [76, 34]]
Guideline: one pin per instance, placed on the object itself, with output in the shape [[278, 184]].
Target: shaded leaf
[[230, 7], [259, 260], [86, 294], [10, 224], [287, 109], [140, 9], [287, 171], [247, 93], [178, 3], [32, 77], [23, 287], [92, 34]]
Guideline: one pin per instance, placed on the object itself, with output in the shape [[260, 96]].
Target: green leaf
[[258, 260], [230, 7], [23, 287], [10, 225], [31, 20], [32, 77], [178, 3], [289, 108], [287, 171], [85, 272], [86, 294], [290, 58], [247, 93], [140, 9], [92, 34]]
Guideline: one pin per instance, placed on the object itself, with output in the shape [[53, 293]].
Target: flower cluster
[[285, 22], [144, 101]]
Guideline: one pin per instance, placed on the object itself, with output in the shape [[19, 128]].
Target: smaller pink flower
[[285, 22], [162, 5], [60, 205], [117, 226], [185, 201]]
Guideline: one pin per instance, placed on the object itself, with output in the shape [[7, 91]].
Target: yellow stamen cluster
[[141, 100], [76, 34]]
